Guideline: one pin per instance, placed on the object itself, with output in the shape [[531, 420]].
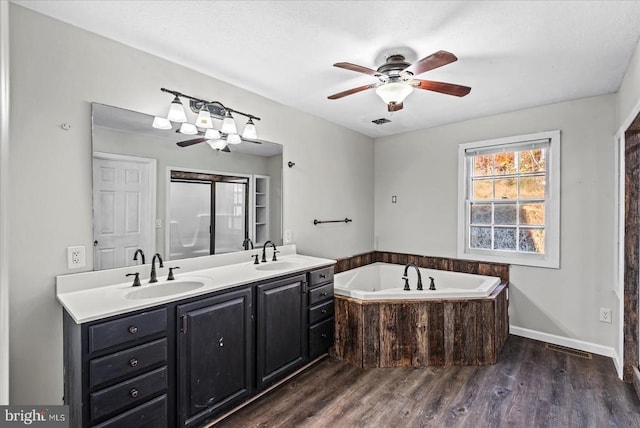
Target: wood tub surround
[[443, 332], [500, 270]]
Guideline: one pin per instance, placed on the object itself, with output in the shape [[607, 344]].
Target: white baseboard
[[570, 343]]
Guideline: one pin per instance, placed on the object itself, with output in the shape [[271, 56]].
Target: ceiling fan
[[221, 143], [396, 78]]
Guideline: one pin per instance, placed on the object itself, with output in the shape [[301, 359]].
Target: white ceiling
[[514, 54]]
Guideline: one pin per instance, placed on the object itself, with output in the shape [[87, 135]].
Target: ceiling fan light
[[188, 128], [228, 124], [394, 92], [212, 134], [204, 118], [217, 144], [161, 123], [250, 130], [234, 139], [176, 111]]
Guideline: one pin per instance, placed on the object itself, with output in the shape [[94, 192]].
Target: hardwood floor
[[530, 386]]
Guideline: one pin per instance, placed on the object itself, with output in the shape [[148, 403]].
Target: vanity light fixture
[[161, 123], [176, 111], [204, 118], [188, 128], [207, 111], [234, 139], [228, 124], [250, 130], [212, 134]]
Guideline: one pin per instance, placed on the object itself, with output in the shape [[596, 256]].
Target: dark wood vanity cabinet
[[116, 370], [281, 335], [321, 319], [187, 362], [215, 354]]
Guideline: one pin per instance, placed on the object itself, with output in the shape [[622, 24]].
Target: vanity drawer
[[136, 390], [320, 276], [320, 338], [127, 362], [110, 333], [152, 414], [320, 312], [319, 294]]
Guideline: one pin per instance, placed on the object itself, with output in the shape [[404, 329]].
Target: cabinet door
[[214, 355], [281, 328]]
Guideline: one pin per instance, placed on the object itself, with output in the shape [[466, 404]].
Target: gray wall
[[421, 168], [56, 72]]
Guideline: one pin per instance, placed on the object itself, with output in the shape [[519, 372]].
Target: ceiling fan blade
[[394, 106], [188, 143], [357, 68], [442, 87], [435, 60], [351, 91]]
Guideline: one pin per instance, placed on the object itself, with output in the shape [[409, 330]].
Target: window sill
[[531, 260]]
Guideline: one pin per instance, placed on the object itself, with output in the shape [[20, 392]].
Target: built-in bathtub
[[383, 281], [378, 324]]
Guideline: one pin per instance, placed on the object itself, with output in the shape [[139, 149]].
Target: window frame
[[551, 257]]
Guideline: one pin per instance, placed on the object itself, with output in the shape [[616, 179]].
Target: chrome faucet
[[153, 277], [135, 255], [246, 243], [264, 252], [406, 278]]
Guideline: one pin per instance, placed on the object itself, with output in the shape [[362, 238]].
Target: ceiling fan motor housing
[[394, 65]]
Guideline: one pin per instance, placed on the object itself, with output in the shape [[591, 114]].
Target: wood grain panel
[[421, 333]]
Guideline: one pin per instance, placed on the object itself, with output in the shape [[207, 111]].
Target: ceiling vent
[[381, 121]]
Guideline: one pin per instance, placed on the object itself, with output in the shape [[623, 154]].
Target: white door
[[123, 209]]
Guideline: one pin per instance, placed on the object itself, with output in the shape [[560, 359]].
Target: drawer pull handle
[[324, 311], [133, 362], [323, 335], [133, 329], [324, 293], [133, 393], [323, 276]]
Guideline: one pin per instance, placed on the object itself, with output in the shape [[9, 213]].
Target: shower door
[[208, 214]]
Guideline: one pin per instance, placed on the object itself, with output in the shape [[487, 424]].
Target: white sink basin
[[162, 290], [279, 265]]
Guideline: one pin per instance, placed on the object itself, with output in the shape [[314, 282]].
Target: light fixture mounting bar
[[197, 103]]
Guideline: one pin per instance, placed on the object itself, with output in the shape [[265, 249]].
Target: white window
[[509, 200]]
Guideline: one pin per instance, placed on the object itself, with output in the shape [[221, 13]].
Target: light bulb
[[394, 92], [212, 134], [228, 124], [188, 129], [250, 130], [217, 144], [234, 139], [176, 111], [204, 118], [161, 123]]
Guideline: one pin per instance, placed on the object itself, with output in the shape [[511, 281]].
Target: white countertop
[[91, 296]]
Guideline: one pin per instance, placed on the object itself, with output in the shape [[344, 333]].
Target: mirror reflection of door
[[123, 208], [202, 203]]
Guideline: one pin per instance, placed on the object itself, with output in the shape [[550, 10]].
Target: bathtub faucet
[[406, 278]]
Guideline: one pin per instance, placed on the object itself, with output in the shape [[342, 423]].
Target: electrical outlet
[[605, 315], [76, 257], [288, 236]]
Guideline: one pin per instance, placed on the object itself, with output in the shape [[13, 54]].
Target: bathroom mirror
[[181, 202]]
